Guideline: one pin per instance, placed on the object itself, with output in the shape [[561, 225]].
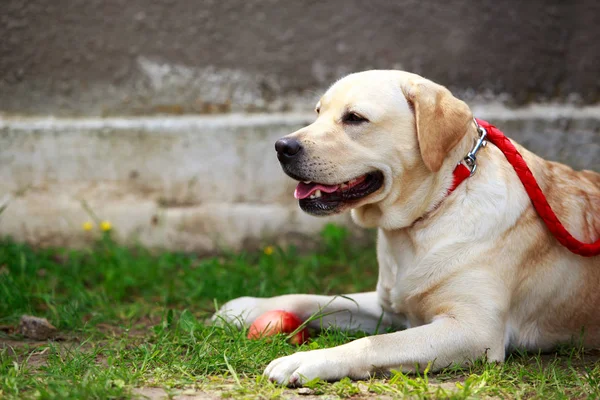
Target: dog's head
[[379, 144]]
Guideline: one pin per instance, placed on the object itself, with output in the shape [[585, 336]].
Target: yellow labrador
[[469, 274]]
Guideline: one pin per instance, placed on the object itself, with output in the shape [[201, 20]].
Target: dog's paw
[[239, 312], [304, 366]]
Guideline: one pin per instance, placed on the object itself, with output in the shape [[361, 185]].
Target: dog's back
[[573, 195], [558, 288]]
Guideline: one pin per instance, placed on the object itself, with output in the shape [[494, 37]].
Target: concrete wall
[[117, 57]]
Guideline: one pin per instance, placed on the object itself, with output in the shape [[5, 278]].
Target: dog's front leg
[[357, 311], [445, 341]]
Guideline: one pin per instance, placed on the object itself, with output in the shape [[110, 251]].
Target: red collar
[[464, 169], [468, 165]]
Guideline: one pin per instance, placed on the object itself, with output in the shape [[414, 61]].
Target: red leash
[[532, 188]]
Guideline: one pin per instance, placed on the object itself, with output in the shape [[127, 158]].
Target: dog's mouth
[[320, 199]]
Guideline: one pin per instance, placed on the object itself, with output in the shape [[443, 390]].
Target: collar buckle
[[471, 157]]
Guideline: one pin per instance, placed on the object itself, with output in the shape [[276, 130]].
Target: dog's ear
[[441, 119]]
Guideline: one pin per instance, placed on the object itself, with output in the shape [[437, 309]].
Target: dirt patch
[[220, 388], [139, 328], [35, 353], [287, 394], [152, 393]]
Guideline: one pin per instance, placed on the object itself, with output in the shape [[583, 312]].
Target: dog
[[468, 274]]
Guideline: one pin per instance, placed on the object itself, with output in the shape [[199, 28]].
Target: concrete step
[[201, 183]]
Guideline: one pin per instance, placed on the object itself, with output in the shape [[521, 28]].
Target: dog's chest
[[396, 282]]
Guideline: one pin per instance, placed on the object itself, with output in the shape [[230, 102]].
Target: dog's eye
[[353, 118], [317, 110]]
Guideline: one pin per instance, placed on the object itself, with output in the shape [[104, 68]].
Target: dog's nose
[[287, 148]]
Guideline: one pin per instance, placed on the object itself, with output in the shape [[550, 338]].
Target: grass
[[131, 319]]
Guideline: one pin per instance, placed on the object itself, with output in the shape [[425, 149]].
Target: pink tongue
[[303, 190]]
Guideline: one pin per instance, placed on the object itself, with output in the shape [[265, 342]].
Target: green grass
[[129, 319]]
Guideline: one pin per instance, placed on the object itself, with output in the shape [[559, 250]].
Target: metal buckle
[[471, 157]]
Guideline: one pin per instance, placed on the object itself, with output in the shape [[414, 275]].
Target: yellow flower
[[105, 226], [88, 226], [268, 250]]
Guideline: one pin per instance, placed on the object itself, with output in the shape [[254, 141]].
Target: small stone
[[36, 328], [305, 391]]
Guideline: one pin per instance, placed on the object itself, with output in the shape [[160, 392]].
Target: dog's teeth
[[343, 186], [307, 182], [317, 194], [352, 181]]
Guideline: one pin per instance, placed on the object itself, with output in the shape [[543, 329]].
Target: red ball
[[276, 322]]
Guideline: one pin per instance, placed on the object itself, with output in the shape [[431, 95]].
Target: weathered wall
[[200, 183], [190, 183], [115, 57]]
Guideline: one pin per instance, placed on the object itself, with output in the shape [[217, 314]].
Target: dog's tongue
[[303, 190]]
